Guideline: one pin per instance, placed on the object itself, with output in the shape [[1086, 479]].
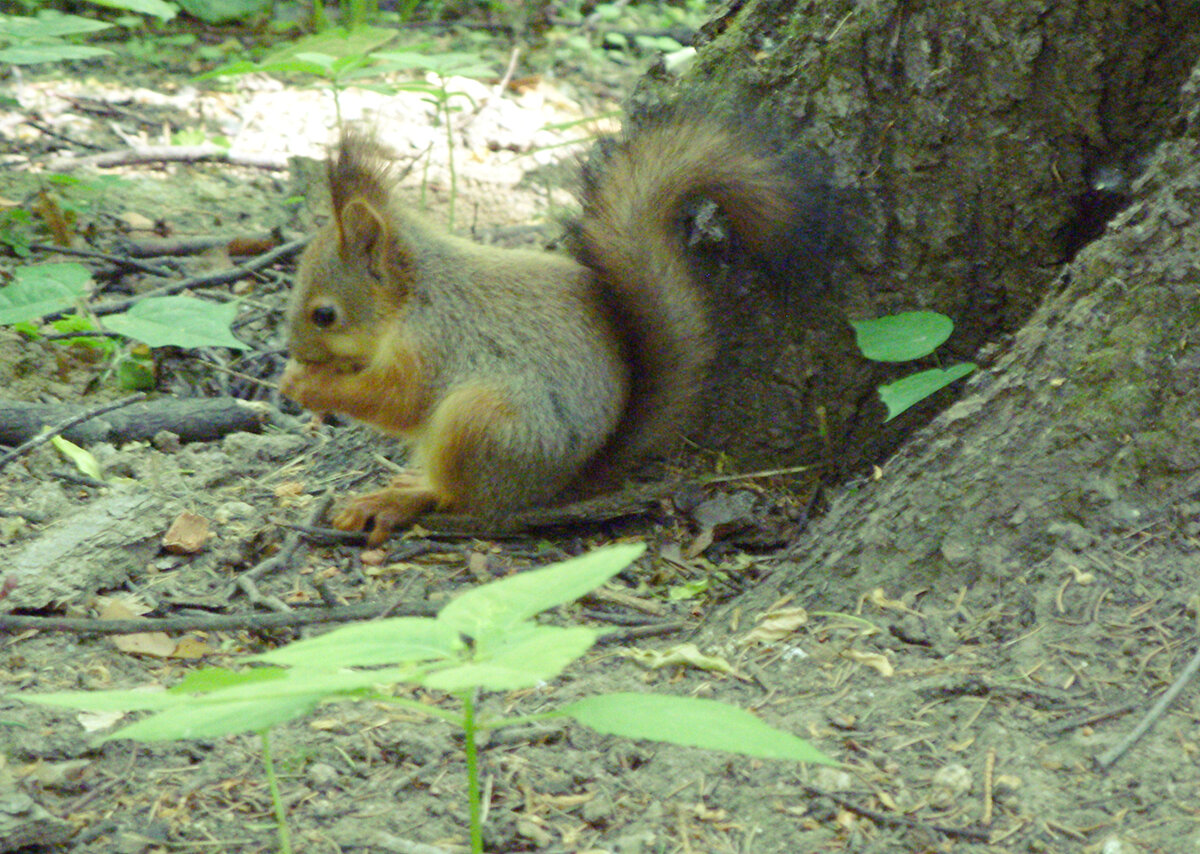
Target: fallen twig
[[171, 154], [211, 622], [121, 260], [1110, 756], [208, 280], [56, 429]]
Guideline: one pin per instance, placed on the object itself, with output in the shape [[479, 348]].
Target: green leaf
[[527, 655], [216, 678], [49, 24], [442, 64], [692, 722], [124, 700], [34, 54], [214, 721], [369, 644], [42, 289], [902, 337], [904, 393], [224, 11], [158, 8], [178, 322], [501, 605], [336, 42]]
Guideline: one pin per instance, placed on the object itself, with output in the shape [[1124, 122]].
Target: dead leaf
[[96, 721], [191, 647], [872, 659], [686, 655], [373, 557], [880, 600], [157, 644], [124, 607], [774, 626], [289, 489], [186, 535]]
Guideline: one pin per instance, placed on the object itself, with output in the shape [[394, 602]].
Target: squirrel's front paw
[[297, 381], [385, 510]]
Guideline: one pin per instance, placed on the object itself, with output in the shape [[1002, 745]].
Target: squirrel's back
[[631, 235]]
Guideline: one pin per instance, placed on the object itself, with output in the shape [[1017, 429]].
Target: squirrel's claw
[[385, 510]]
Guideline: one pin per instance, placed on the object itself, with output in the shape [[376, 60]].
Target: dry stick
[[104, 256], [171, 154], [989, 780], [1110, 756], [46, 435], [888, 818], [223, 277], [210, 622]]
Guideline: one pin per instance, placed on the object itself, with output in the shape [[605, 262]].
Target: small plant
[[337, 56], [443, 66], [46, 38], [484, 639], [38, 290], [902, 338], [343, 58]]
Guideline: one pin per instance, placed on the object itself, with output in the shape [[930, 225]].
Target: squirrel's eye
[[323, 316]]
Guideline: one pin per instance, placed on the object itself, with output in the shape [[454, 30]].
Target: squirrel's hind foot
[[381, 512]]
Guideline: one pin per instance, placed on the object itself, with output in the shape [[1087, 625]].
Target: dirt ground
[[969, 716]]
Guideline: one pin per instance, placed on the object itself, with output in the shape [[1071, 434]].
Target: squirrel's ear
[[365, 232], [361, 228]]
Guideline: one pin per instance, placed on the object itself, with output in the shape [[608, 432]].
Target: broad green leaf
[[443, 64], [36, 53], [178, 322], [213, 688], [902, 337], [193, 721], [49, 24], [242, 66], [217, 678], [335, 42], [693, 722], [158, 8], [499, 605], [223, 11], [41, 289], [904, 393], [537, 654], [80, 457], [374, 643]]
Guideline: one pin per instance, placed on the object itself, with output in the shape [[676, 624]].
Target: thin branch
[[1110, 756], [211, 622], [47, 435], [104, 256], [223, 277]]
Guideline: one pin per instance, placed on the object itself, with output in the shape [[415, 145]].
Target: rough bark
[[975, 147], [1085, 431]]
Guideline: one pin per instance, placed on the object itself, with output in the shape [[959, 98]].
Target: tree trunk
[[974, 147]]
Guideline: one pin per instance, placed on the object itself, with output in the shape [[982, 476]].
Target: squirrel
[[519, 377]]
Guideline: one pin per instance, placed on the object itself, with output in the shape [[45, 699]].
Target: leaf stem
[[285, 838], [475, 810]]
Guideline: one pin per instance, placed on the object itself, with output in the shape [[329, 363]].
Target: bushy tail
[[631, 235]]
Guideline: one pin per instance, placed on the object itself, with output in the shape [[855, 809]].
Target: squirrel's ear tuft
[[360, 166]]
